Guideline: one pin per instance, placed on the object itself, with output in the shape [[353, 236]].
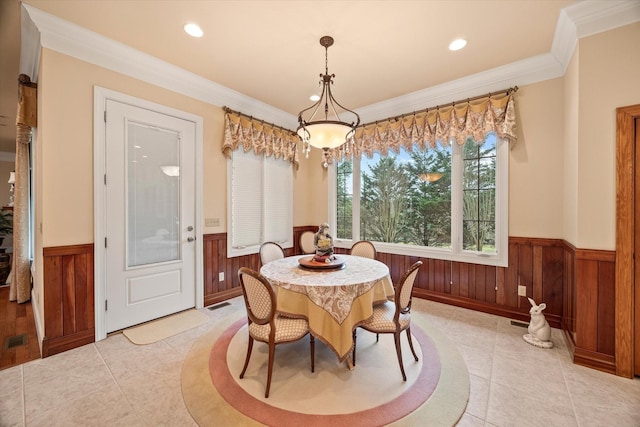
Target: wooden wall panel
[[552, 269], [606, 308], [454, 287], [464, 280], [569, 301], [490, 284], [587, 299], [538, 264], [577, 286], [501, 274], [68, 298], [511, 285], [525, 272], [589, 323]]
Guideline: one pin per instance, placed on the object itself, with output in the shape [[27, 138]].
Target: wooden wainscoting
[[216, 262], [576, 284], [589, 322], [68, 298], [536, 264]]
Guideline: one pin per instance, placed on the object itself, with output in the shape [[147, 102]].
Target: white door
[[150, 215]]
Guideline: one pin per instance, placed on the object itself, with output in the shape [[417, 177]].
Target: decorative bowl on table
[[312, 263]]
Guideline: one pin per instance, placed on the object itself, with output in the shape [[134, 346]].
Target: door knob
[[190, 228], [190, 239]]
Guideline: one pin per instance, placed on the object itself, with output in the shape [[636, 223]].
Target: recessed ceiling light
[[314, 97], [193, 30], [457, 44]]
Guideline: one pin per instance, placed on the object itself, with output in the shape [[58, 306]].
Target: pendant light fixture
[[320, 125]]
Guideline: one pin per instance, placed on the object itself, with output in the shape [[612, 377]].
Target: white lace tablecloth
[[335, 302], [333, 290]]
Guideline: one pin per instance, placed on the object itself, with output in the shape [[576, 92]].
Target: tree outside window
[[417, 199]]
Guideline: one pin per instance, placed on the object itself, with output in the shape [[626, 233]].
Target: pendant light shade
[[321, 125], [325, 134]]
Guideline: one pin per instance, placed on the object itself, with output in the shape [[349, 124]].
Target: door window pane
[[153, 195]]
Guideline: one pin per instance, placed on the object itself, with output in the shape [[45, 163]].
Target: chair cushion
[[287, 329], [382, 319]]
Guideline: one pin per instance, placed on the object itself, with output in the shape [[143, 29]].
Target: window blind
[[246, 199]]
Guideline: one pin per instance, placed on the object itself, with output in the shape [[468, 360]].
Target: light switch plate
[[522, 291], [212, 222], [221, 276]]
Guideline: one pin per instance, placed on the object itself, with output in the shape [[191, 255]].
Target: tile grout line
[[493, 362], [564, 378], [24, 399], [114, 379]]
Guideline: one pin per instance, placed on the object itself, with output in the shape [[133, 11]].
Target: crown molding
[[595, 16], [524, 72], [78, 42], [576, 21], [565, 40]]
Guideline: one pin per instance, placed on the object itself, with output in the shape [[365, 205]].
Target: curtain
[[454, 123], [26, 119], [262, 138]]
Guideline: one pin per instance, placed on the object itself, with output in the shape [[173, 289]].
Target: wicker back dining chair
[[363, 248], [393, 317], [264, 324], [270, 251], [306, 242]]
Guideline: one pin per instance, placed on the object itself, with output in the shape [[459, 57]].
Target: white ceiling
[[270, 51]]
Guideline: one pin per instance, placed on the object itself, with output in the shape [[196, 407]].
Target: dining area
[[327, 297]]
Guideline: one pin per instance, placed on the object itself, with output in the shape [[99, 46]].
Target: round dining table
[[334, 300]]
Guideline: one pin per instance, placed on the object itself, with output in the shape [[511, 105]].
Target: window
[[260, 192], [446, 202]]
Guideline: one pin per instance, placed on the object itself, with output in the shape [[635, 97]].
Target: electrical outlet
[[221, 276], [212, 222], [522, 291]]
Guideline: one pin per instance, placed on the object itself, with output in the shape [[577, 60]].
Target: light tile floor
[[115, 383]]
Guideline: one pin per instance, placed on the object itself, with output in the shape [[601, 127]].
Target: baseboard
[[554, 321], [568, 337], [222, 296], [592, 359], [58, 345]]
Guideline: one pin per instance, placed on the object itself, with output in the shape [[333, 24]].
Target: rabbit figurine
[[539, 329]]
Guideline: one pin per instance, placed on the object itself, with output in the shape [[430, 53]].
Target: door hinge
[[105, 242], [105, 179], [105, 116], [106, 305]]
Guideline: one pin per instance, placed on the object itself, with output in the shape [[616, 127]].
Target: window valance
[[453, 123], [263, 138]]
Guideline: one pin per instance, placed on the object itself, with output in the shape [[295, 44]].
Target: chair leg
[[353, 354], [396, 337], [246, 360], [312, 344], [415, 356], [377, 337], [272, 351]]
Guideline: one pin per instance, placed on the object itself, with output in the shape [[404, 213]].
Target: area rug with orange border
[[372, 394]]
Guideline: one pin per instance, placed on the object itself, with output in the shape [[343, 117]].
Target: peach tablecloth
[[334, 301]]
